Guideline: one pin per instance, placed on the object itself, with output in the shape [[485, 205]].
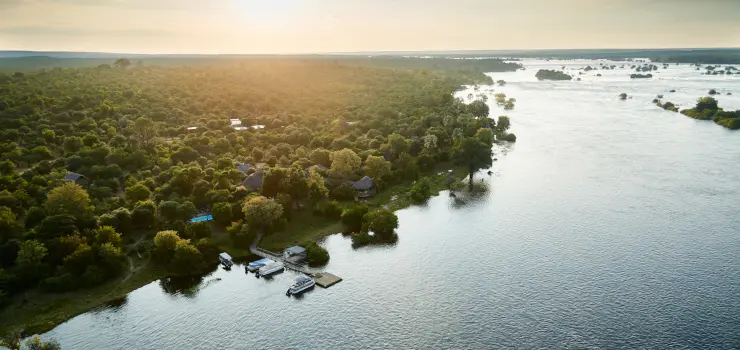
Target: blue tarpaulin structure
[[202, 218]]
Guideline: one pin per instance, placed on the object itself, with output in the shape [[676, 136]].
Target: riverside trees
[[156, 145]]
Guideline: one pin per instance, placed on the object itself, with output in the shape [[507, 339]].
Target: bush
[[352, 217], [343, 192], [508, 137], [421, 191], [197, 230], [330, 210], [316, 255], [382, 222]]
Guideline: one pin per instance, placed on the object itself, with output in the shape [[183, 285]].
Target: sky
[[321, 26]]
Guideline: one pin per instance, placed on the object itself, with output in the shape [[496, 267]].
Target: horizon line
[[436, 51]]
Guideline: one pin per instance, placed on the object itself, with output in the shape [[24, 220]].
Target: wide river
[[609, 224]]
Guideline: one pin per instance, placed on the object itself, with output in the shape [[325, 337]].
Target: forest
[[106, 165]]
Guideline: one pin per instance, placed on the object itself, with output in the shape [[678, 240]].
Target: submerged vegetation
[[546, 74], [104, 167]]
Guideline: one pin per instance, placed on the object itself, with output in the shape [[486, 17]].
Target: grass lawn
[[303, 227]]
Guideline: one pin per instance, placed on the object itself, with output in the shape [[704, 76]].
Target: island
[[118, 174], [546, 74], [641, 76], [707, 108]]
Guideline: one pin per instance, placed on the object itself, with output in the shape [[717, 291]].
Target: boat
[[225, 260], [302, 284], [256, 265], [271, 268]]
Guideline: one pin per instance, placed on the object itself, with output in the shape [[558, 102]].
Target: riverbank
[[37, 312]]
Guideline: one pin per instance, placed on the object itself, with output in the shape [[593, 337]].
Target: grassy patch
[[37, 312], [303, 226]]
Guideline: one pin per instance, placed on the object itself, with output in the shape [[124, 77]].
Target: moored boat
[[256, 265], [302, 284], [271, 268]]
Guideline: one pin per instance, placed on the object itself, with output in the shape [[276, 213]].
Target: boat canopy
[[302, 279], [262, 261], [225, 256]]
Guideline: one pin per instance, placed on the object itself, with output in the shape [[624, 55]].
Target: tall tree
[[376, 167], [473, 154], [344, 162], [261, 212], [69, 198]]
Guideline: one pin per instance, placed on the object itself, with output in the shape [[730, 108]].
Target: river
[[609, 224]]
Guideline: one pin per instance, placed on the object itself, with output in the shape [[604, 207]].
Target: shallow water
[[609, 224]]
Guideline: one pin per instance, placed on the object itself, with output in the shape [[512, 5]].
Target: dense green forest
[[707, 108], [104, 163]]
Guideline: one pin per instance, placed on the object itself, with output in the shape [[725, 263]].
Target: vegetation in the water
[[501, 82], [623, 96], [641, 76], [546, 74], [707, 108], [712, 92]]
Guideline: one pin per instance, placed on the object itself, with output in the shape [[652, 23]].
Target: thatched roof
[[254, 181], [365, 183]]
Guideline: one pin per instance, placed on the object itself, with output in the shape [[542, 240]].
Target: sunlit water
[[610, 224]]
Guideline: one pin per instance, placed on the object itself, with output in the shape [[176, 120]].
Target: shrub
[[352, 217], [316, 255], [343, 192]]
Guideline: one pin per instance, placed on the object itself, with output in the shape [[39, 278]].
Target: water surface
[[609, 224]]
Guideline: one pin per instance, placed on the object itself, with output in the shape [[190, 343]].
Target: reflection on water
[[610, 224]]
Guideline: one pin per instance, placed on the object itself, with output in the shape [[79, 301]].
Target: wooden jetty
[[323, 279]]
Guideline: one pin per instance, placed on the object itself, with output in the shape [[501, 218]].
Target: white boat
[[301, 284], [225, 259], [256, 265], [270, 269]]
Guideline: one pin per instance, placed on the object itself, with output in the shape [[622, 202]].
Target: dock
[[322, 278], [326, 280]]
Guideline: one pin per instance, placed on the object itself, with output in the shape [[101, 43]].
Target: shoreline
[[36, 312]]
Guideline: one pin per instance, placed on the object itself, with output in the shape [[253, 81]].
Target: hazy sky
[[298, 26]]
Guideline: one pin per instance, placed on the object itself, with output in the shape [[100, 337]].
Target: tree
[[8, 226], [165, 243], [316, 255], [120, 219], [222, 214], [377, 167], [168, 210], [382, 222], [144, 214], [295, 183], [144, 130], [31, 254], [197, 230], [320, 156], [77, 262], [7, 167], [69, 198], [503, 124], [186, 259], [138, 192], [473, 154], [107, 234], [111, 259], [72, 144], [261, 212], [317, 190], [344, 162], [421, 191], [352, 217], [478, 108], [485, 135], [122, 63]]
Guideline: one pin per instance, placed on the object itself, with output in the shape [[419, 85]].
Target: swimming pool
[[202, 218]]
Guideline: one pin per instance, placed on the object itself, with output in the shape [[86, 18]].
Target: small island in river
[[547, 74]]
